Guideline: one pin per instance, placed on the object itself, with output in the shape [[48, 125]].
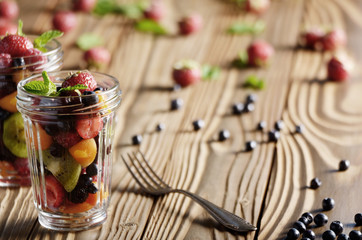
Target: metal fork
[[154, 185]]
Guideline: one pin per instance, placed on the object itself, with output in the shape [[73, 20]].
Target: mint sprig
[[246, 28], [89, 40], [43, 88], [46, 37], [254, 82], [150, 26], [210, 72]]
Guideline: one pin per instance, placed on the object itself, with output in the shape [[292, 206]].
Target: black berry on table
[[273, 135], [299, 128], [293, 234], [299, 226], [328, 204], [261, 125], [137, 139], [328, 235], [250, 145], [344, 165], [224, 135], [176, 103], [238, 108], [343, 237], [309, 234], [304, 220], [309, 216], [198, 124], [279, 125], [320, 219], [249, 107], [336, 227], [315, 183], [160, 127], [251, 98], [355, 235], [358, 219]]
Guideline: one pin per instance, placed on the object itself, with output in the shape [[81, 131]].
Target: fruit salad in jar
[[20, 57]]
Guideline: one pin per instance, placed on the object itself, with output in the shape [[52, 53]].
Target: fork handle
[[227, 219]]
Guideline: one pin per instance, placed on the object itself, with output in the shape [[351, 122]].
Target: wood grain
[[268, 186]]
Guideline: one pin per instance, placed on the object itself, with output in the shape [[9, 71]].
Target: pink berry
[[7, 27], [311, 38], [97, 57], [5, 61], [155, 11], [9, 9], [333, 40], [84, 5], [190, 24], [186, 72], [336, 70], [64, 21], [259, 53], [257, 6]]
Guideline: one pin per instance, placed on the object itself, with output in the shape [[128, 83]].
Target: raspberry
[[190, 24], [97, 57], [257, 6], [67, 139], [84, 5], [155, 10], [333, 40], [34, 58], [311, 38], [84, 78], [7, 27], [64, 21], [9, 9], [259, 53], [15, 45], [186, 72], [336, 70]]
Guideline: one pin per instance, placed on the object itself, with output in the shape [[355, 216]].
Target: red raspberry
[[5, 61], [9, 9], [84, 5], [186, 72], [97, 57], [259, 53], [336, 70], [190, 24], [67, 139], [155, 10], [55, 192], [311, 38], [21, 166], [84, 78], [15, 45], [257, 6], [333, 40], [35, 58], [7, 27], [64, 21]]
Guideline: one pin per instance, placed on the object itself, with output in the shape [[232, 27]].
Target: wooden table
[[267, 186]]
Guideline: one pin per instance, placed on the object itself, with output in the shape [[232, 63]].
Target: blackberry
[[92, 170], [224, 135], [137, 139], [84, 181], [198, 124], [328, 235], [89, 98], [315, 183], [293, 234], [78, 195], [309, 234], [328, 204], [320, 219]]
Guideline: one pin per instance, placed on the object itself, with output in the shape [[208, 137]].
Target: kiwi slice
[[65, 169], [14, 136]]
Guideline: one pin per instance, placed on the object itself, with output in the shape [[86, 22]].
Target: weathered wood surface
[[267, 186]]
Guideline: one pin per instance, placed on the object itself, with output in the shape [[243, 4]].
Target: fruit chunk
[[65, 169], [8, 102], [84, 78], [45, 139], [67, 139], [186, 72], [259, 53], [55, 193], [81, 207], [84, 152], [89, 127], [13, 135], [336, 70], [22, 166]]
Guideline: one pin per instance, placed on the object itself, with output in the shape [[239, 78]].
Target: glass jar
[[14, 169]]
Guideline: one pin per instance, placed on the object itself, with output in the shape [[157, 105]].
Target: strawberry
[[155, 11], [35, 58], [15, 45], [9, 9], [84, 5], [89, 127], [259, 53], [97, 57], [7, 27], [84, 78], [21, 165], [55, 192], [336, 70], [64, 21], [190, 24], [186, 72], [311, 38], [67, 139], [257, 6], [333, 40]]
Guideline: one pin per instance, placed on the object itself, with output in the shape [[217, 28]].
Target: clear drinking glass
[[70, 172], [14, 169]]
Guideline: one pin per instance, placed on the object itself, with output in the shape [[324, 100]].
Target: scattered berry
[[64, 21], [198, 124], [344, 165], [7, 27], [9, 9], [328, 204], [309, 234], [97, 57], [328, 235], [299, 226], [259, 53], [257, 7], [160, 127], [261, 125], [251, 98], [279, 125], [336, 227], [304, 220], [250, 145], [355, 235], [176, 103], [238, 108], [311, 38], [293, 234], [224, 135], [333, 40], [358, 219], [155, 11], [273, 135], [190, 24], [84, 78], [249, 107], [15, 45], [320, 219], [309, 217], [336, 70], [55, 192], [299, 128], [84, 5], [315, 183], [186, 72], [137, 139], [343, 237]]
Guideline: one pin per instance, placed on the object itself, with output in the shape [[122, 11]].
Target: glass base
[[72, 222]]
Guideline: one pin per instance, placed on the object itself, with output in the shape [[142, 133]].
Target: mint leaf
[[210, 72], [50, 86], [246, 28], [104, 7], [20, 28], [43, 39], [241, 61], [254, 82], [89, 40], [150, 26], [44, 88], [72, 88]]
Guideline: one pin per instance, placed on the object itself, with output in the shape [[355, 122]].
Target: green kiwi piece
[[14, 135], [65, 169]]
